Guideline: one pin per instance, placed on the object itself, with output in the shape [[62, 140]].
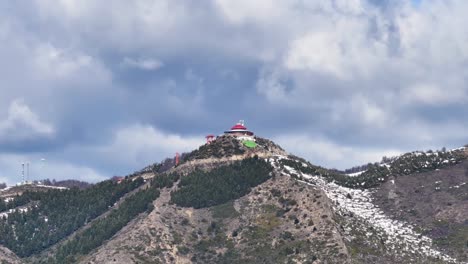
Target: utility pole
[[22, 171], [27, 171]]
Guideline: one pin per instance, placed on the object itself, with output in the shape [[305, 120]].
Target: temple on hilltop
[[240, 131]]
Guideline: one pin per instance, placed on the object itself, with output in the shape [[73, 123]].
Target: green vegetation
[[226, 210], [58, 213], [55, 214], [165, 180], [19, 200], [451, 235], [224, 146], [204, 189], [375, 174], [367, 180], [249, 143], [105, 228]]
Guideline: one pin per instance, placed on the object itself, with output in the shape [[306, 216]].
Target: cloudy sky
[[99, 90]]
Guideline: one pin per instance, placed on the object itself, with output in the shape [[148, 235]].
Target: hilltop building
[[241, 132]]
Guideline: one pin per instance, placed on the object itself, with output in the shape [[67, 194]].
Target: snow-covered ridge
[[51, 187], [428, 158], [5, 190], [400, 236], [354, 174], [428, 153]]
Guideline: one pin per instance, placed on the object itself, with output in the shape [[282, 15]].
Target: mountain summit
[[243, 199]]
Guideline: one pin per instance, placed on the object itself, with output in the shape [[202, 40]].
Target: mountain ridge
[[297, 212]]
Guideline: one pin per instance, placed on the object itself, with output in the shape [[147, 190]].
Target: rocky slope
[[435, 202], [357, 229], [371, 234], [408, 209], [6, 256], [278, 221]]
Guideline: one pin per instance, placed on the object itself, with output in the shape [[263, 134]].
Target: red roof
[[238, 126]]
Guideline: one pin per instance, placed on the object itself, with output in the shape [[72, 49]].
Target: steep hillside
[[228, 202], [434, 201], [414, 212], [8, 257], [39, 219], [279, 220], [357, 230]]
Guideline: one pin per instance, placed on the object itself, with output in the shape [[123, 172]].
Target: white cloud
[[127, 26], [354, 7], [425, 134], [340, 65], [62, 170], [22, 124], [433, 94], [55, 63], [324, 152], [432, 34], [368, 112], [340, 42], [242, 11], [319, 52], [139, 145], [142, 63], [11, 171], [272, 85], [132, 148]]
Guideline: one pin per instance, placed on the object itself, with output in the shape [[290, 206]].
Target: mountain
[[233, 202]]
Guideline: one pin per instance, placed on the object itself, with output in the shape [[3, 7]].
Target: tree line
[[55, 214], [204, 189], [103, 229]]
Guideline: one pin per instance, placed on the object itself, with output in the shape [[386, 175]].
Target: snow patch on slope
[[400, 235], [354, 174], [21, 209]]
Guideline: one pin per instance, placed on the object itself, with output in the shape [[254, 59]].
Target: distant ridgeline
[[55, 214], [378, 173]]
